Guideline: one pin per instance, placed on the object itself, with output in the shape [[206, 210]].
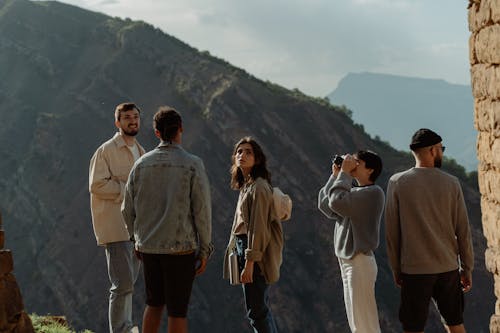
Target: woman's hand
[[335, 169], [247, 272], [349, 164]]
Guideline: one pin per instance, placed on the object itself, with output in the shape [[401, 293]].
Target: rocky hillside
[[411, 102], [64, 69]]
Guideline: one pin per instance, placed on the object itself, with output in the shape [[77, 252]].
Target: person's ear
[[433, 151], [158, 134]]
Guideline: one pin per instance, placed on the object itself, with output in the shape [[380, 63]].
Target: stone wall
[[13, 319], [484, 46]]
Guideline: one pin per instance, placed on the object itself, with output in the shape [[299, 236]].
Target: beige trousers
[[358, 276]]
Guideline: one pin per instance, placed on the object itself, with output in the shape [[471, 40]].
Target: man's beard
[[437, 162], [130, 132]]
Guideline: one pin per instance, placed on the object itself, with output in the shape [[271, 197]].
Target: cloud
[[108, 2], [392, 3], [312, 44], [446, 48]]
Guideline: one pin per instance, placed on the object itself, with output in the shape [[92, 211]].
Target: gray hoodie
[[357, 212]]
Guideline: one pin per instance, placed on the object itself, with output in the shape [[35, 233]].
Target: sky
[[312, 44]]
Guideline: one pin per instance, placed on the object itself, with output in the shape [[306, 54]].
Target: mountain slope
[[63, 71], [412, 103]]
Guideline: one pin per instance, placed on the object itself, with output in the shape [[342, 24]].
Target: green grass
[[43, 324]]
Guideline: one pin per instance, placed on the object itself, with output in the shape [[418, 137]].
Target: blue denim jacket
[[167, 204]]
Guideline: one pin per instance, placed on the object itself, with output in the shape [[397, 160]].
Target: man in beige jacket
[[109, 169]]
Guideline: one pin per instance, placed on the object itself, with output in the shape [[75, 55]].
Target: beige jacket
[[265, 232], [108, 173]]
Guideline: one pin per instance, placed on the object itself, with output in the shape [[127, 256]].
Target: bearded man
[[108, 173], [428, 237]]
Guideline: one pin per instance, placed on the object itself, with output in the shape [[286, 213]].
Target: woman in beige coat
[[256, 234]]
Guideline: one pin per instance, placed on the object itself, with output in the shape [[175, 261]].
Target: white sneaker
[[134, 329]]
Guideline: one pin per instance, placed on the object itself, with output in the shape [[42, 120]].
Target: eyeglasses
[[443, 148]]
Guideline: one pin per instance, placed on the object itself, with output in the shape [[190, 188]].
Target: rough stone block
[[490, 259], [485, 81], [488, 148], [480, 107], [11, 302], [489, 184], [482, 181], [492, 178], [479, 82], [495, 152], [6, 262], [495, 324], [473, 17], [472, 50], [492, 210], [496, 278], [494, 83], [491, 222], [495, 11], [491, 236], [487, 45], [487, 116], [24, 324], [479, 15]]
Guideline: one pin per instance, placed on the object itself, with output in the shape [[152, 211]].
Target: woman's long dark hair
[[259, 169]]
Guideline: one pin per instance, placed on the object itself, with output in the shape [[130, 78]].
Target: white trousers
[[358, 276]]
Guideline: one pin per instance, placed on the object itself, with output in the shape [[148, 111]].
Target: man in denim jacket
[[167, 209]]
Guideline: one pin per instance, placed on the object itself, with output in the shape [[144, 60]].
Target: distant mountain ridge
[[64, 69], [393, 107]]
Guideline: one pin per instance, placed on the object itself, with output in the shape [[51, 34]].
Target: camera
[[337, 160]]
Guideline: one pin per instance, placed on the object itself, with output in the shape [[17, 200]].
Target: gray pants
[[123, 268]]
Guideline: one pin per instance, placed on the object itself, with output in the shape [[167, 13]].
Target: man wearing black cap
[[427, 229]]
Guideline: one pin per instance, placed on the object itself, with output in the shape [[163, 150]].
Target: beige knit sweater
[[427, 228]]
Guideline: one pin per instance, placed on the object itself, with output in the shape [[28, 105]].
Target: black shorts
[[417, 291], [169, 280]]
